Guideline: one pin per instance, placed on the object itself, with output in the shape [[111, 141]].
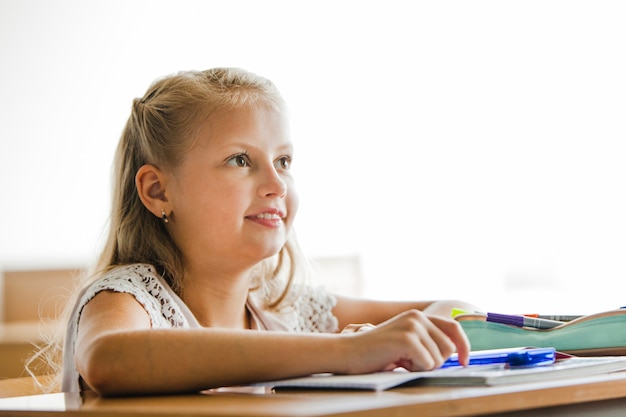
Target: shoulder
[[144, 284], [136, 279], [141, 281]]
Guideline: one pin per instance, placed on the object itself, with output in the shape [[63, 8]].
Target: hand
[[361, 327], [412, 340]]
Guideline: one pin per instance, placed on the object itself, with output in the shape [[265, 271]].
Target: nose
[[272, 185]]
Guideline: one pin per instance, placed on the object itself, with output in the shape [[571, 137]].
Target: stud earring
[[164, 217]]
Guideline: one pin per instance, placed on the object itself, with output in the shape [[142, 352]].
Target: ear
[[151, 187]]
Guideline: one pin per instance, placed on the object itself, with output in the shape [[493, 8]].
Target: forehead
[[252, 124]]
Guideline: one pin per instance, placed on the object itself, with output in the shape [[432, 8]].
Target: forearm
[[354, 310], [184, 360], [443, 308]]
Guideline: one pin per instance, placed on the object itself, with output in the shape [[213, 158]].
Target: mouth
[[269, 217]]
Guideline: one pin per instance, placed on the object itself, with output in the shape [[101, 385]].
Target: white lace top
[[312, 311]]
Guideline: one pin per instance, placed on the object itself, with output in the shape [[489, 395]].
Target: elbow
[[98, 379], [99, 365], [119, 364]]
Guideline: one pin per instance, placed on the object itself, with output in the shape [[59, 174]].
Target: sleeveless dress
[[311, 312]]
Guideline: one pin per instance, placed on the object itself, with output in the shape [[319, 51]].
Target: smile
[[268, 216]]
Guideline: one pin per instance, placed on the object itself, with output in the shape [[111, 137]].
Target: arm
[[117, 352], [353, 310]]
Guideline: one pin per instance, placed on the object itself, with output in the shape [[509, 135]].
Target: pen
[[521, 321]]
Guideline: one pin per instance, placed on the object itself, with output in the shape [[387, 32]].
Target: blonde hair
[[160, 131]]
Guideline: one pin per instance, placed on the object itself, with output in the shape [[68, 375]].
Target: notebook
[[474, 375]]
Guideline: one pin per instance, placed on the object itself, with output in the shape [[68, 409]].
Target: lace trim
[[141, 281], [311, 312]]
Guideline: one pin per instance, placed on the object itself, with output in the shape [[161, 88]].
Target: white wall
[[465, 149]]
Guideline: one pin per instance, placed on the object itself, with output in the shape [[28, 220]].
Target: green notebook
[[599, 334]]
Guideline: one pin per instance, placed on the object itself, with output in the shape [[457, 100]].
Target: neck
[[218, 300]]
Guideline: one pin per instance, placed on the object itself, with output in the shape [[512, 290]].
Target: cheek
[[293, 202]]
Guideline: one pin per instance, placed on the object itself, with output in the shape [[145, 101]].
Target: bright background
[[462, 149]]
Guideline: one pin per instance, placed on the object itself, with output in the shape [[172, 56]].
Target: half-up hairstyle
[[160, 131]]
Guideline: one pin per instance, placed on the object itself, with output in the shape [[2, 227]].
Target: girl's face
[[233, 199]]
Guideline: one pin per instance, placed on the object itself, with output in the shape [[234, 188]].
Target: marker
[[521, 321], [459, 311], [552, 317]]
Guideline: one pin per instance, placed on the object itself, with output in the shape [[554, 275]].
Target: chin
[[270, 251], [270, 254], [264, 249]]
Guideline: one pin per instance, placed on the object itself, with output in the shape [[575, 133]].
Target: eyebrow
[[285, 147]]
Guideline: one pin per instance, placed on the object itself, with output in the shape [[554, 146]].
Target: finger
[[438, 337], [354, 328], [366, 327], [430, 348], [350, 328], [453, 330], [427, 343]]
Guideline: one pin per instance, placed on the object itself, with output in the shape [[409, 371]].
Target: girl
[[198, 285]]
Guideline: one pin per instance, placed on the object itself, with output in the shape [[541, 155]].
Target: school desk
[[600, 395]]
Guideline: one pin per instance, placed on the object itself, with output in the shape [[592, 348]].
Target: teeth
[[268, 216]]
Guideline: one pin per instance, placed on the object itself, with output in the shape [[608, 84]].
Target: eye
[[283, 163], [240, 160]]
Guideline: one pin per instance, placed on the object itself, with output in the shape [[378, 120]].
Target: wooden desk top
[[407, 401]]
